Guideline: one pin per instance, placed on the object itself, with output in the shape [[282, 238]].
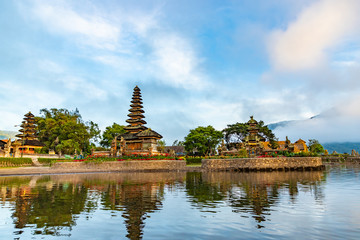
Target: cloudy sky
[[197, 63]]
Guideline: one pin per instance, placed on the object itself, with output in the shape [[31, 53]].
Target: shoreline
[[208, 165]]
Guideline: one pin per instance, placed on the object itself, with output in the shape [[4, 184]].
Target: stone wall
[[125, 166], [254, 164], [335, 159]]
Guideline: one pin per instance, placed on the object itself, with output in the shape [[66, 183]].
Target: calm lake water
[[264, 205]]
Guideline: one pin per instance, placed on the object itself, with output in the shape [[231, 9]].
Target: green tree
[[235, 133], [110, 133], [315, 147], [161, 145], [203, 140], [178, 143], [65, 131]]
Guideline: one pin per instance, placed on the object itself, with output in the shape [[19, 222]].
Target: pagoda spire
[[136, 121], [28, 128]]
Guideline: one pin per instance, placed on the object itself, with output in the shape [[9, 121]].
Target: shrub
[[49, 161], [193, 160], [15, 162]]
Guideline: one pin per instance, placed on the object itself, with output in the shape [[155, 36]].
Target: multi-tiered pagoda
[[138, 138], [28, 141], [253, 141]]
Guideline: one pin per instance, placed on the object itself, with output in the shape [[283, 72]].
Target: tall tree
[[203, 140], [235, 133], [110, 133], [65, 132]]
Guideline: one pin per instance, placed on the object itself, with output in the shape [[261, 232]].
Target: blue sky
[[197, 63]]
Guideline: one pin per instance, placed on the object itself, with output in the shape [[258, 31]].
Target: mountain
[[7, 134], [339, 147], [342, 147], [273, 126]]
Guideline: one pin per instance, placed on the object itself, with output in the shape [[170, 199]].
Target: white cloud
[[91, 29], [340, 124], [176, 62], [22, 98], [318, 28]]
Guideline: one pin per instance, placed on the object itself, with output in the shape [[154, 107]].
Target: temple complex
[[27, 142], [138, 138], [256, 145]]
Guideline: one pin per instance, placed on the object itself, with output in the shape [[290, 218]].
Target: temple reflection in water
[[51, 205]]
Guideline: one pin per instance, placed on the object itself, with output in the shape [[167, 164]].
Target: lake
[[214, 205]]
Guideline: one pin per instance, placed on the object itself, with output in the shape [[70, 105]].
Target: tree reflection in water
[[51, 205], [251, 193]]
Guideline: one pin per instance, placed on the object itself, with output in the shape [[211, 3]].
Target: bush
[[193, 160], [48, 161], [15, 162]]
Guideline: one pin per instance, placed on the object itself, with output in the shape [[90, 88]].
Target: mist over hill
[[330, 146]]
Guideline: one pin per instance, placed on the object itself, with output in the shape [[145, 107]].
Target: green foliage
[[100, 149], [235, 133], [265, 132], [15, 162], [49, 161], [65, 131], [202, 140], [110, 133], [242, 153], [193, 160], [178, 143], [290, 154], [161, 145], [315, 146]]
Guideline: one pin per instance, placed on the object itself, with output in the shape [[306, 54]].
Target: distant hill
[[7, 134], [273, 126], [339, 147], [342, 147]]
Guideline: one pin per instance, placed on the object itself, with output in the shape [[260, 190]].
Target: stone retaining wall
[[335, 159], [256, 164], [125, 166]]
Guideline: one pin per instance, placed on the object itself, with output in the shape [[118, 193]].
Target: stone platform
[[259, 164]]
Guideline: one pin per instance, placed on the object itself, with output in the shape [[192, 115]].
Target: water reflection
[[251, 193], [52, 205]]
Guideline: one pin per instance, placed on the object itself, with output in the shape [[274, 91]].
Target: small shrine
[[28, 141], [253, 142], [138, 138]]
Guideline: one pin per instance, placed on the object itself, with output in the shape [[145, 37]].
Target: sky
[[197, 63]]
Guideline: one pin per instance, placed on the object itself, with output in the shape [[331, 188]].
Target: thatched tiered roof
[[136, 121], [28, 131]]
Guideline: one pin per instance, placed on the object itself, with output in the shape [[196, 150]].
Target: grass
[[193, 164]]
